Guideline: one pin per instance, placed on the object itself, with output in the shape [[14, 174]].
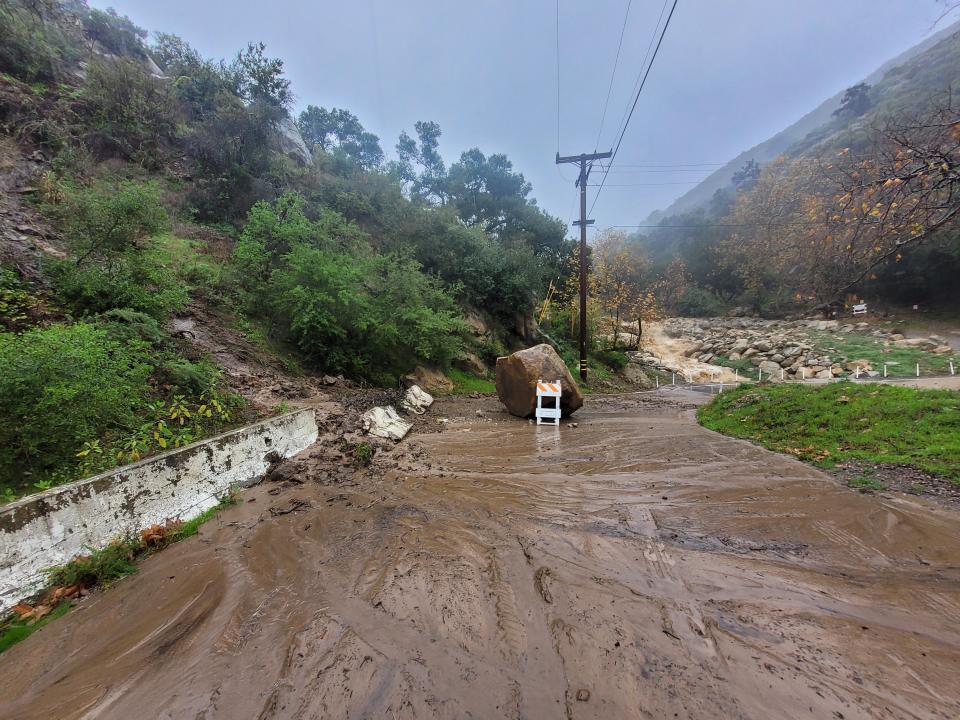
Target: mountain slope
[[818, 124]]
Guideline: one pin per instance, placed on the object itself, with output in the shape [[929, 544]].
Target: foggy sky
[[730, 73]]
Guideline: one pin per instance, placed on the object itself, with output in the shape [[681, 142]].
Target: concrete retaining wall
[[54, 526]]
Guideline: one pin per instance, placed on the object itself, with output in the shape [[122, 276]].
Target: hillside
[[898, 83], [179, 253]]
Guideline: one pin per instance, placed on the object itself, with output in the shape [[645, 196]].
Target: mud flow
[[635, 566]]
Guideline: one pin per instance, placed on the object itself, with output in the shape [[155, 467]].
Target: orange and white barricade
[[548, 390]]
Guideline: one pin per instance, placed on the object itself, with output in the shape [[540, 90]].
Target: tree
[[855, 102], [420, 166], [260, 78], [747, 176], [489, 194], [905, 192], [618, 269], [340, 131]]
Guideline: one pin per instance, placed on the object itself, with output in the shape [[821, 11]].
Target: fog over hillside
[[789, 137]]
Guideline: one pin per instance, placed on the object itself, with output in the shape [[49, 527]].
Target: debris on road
[[385, 422]]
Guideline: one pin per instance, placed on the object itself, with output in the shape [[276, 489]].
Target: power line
[[638, 171], [558, 76], [635, 101], [644, 184], [646, 54], [669, 165], [613, 75], [805, 223]]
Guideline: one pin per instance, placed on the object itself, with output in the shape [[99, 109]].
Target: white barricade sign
[[548, 390]]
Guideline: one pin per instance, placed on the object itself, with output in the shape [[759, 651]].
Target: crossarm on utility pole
[[582, 161]]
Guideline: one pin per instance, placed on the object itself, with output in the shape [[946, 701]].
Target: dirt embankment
[[634, 566]]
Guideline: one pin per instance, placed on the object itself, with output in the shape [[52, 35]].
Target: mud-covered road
[[635, 566]]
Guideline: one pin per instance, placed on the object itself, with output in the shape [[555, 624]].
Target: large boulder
[[517, 377], [290, 142]]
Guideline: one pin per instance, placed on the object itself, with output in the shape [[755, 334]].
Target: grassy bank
[[100, 569], [843, 422]]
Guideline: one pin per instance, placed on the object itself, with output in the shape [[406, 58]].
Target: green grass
[[842, 422], [744, 365], [866, 482], [854, 346], [103, 567], [16, 630], [465, 383]]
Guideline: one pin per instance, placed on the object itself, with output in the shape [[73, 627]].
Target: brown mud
[[636, 566]]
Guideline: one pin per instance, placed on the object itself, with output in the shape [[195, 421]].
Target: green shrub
[[61, 386], [105, 220], [189, 377], [33, 45], [366, 315], [699, 302], [126, 326], [613, 359], [348, 309], [116, 33], [15, 301], [134, 281], [130, 114]]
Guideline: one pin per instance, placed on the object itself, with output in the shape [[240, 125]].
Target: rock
[[429, 379], [862, 364], [824, 375], [471, 363], [836, 371], [770, 370], [896, 336], [290, 142], [792, 351], [385, 422], [517, 376], [763, 346], [635, 374], [416, 400], [943, 349], [739, 346], [917, 343], [477, 323], [329, 380], [749, 352], [778, 358]]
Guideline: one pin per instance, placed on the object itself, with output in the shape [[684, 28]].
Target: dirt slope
[[634, 566]]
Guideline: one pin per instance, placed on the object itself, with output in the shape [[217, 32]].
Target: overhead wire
[[636, 99], [613, 75]]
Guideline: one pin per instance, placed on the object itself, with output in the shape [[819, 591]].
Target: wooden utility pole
[[582, 160]]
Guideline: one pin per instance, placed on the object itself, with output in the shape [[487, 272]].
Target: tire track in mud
[[594, 573]]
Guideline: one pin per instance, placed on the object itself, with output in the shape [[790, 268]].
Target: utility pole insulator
[[582, 161]]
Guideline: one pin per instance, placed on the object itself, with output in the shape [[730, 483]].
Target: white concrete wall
[[53, 527]]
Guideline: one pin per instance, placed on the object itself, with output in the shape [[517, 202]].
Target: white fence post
[[918, 369], [951, 367], [884, 369], [759, 374]]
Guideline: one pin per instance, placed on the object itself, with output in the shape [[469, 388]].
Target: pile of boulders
[[782, 348]]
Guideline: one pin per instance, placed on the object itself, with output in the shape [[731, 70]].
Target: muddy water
[[636, 566], [672, 352]]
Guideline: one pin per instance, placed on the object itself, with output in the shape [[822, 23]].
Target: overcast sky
[[730, 73]]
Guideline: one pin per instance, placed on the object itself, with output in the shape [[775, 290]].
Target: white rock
[[386, 423], [416, 400]]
